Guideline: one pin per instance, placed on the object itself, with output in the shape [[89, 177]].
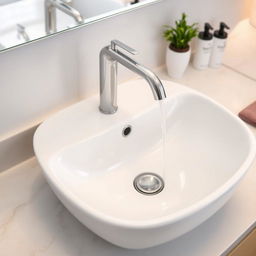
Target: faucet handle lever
[[115, 43]]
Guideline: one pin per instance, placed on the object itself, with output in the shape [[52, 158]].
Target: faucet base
[[108, 112]]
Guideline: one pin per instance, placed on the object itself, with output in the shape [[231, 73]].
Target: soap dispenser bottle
[[203, 48], [219, 45]]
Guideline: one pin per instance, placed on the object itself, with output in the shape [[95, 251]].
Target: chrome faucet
[[21, 33], [50, 14], [110, 56]]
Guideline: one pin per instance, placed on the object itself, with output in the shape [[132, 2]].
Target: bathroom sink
[[91, 165]]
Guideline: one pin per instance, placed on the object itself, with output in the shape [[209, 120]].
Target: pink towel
[[249, 114]]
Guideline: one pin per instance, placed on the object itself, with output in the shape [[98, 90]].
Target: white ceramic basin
[[91, 166]]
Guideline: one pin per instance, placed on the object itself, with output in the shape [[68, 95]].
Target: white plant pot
[[177, 62]]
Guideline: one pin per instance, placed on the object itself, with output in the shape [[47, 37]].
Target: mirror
[[23, 21]]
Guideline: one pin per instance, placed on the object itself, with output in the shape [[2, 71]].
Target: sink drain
[[148, 183]]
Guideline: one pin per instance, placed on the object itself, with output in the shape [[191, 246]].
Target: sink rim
[[171, 218]]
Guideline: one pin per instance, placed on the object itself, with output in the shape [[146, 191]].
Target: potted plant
[[178, 51]]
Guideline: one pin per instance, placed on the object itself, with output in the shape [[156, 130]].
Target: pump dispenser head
[[221, 33], [206, 34]]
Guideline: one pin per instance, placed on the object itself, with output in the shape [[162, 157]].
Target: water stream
[[152, 183], [163, 127]]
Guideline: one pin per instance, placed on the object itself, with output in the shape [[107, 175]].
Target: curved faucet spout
[[109, 57], [50, 14], [152, 79]]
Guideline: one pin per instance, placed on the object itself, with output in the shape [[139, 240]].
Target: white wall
[[47, 75]]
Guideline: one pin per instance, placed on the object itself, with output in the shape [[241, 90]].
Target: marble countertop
[[33, 222]]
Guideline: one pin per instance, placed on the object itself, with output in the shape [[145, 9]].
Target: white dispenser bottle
[[203, 48], [219, 44]]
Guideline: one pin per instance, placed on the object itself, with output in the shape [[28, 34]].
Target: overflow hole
[[127, 130]]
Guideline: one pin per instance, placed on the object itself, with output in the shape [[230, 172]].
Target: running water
[[163, 126]]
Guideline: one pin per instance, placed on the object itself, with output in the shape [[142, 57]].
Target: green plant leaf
[[180, 35]]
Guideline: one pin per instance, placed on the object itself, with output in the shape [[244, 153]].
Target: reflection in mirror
[[22, 21], [51, 7]]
